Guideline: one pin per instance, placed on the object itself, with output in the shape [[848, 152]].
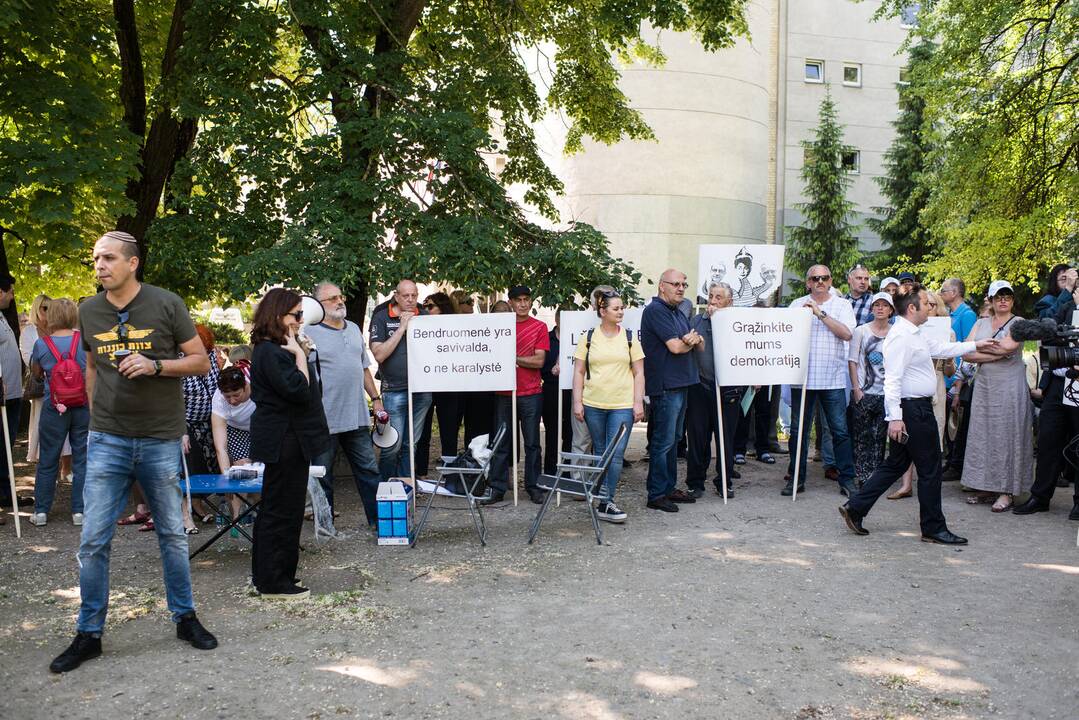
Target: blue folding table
[[209, 485]]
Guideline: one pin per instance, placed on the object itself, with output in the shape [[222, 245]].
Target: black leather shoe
[[537, 496], [663, 504], [1074, 514], [944, 537], [951, 474], [1031, 506], [730, 491], [84, 647], [494, 497], [189, 629], [853, 521], [788, 490]]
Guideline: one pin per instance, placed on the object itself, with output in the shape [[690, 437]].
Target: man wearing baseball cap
[[533, 344]]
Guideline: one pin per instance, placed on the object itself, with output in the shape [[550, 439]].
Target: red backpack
[[67, 386]]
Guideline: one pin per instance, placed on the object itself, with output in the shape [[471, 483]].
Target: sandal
[[999, 508], [766, 458], [739, 459], [899, 495], [147, 526], [135, 518], [193, 530], [980, 499]]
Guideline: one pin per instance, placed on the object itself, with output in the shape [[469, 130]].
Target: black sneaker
[[663, 504], [696, 493], [84, 647], [611, 513], [292, 594], [730, 490], [189, 629]]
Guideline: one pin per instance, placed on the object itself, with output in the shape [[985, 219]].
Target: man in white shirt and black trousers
[[909, 384]]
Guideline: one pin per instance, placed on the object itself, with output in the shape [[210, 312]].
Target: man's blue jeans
[[603, 426], [394, 462], [360, 453], [52, 429], [833, 405], [668, 415], [529, 410], [113, 463]]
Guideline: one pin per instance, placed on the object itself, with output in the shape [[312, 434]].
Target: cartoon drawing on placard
[[753, 280]]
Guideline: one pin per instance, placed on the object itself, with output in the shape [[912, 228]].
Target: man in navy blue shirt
[[669, 371]]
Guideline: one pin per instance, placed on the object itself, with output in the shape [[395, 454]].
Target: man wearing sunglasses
[[669, 372], [139, 342], [826, 382]]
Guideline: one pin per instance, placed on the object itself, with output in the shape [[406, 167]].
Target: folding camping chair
[[581, 478], [472, 477]]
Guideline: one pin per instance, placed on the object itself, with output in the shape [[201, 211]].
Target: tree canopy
[[1001, 97], [262, 142]]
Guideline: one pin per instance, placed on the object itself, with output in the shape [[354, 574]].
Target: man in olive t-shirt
[[139, 343]]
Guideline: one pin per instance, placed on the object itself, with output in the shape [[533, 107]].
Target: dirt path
[[763, 608]]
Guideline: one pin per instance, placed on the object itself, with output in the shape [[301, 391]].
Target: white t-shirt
[[867, 352], [237, 416]]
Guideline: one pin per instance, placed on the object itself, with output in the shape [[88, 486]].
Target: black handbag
[[458, 483]]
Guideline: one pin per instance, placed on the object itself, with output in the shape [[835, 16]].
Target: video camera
[[1064, 350]]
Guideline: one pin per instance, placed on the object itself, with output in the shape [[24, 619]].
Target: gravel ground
[[762, 608]]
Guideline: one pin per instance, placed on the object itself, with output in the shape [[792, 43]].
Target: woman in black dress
[[288, 429]]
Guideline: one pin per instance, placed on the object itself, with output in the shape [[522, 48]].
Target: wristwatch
[[157, 367], [823, 315]]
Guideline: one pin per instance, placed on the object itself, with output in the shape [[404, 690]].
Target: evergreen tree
[[826, 235], [904, 238]]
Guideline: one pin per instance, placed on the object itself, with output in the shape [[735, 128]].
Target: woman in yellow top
[[608, 390]]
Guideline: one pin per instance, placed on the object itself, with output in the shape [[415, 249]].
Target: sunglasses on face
[[610, 294], [676, 284], [334, 299], [819, 278], [429, 305], [297, 316]]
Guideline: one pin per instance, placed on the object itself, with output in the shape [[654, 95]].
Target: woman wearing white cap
[[999, 458], [869, 431]]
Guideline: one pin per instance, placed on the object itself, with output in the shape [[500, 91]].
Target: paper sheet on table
[[747, 399]]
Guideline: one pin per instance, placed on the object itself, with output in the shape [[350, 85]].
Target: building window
[[852, 74], [904, 76], [908, 15], [814, 71], [851, 161]]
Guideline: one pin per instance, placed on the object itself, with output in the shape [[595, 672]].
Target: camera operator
[[1058, 423]]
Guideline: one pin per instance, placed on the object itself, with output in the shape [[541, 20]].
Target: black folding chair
[[581, 478], [472, 478]]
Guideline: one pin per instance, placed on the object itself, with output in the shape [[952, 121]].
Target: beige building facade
[[725, 165]]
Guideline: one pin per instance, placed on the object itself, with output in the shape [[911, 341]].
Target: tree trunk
[[11, 312], [169, 138]]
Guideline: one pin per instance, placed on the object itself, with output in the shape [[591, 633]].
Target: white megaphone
[[313, 312]]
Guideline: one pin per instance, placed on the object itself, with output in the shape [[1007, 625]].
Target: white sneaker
[[38, 519], [76, 519]]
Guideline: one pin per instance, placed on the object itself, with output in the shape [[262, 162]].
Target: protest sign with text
[[761, 346], [462, 353], [573, 328]]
